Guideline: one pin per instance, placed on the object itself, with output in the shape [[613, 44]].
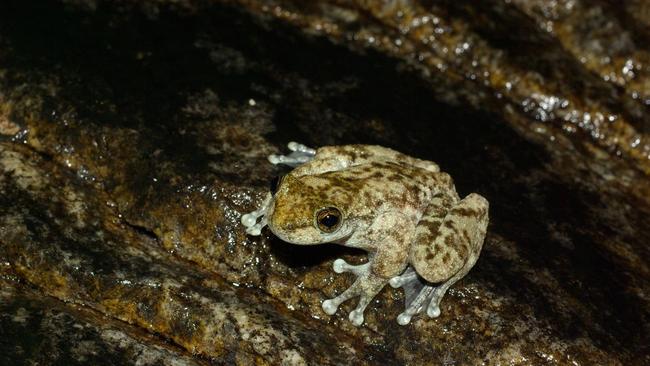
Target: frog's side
[[402, 210]]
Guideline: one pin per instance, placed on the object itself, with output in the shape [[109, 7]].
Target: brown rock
[[143, 134]]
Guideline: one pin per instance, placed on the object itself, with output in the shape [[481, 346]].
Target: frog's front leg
[[390, 235], [366, 287], [443, 256]]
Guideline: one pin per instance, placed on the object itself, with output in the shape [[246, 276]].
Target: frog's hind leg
[[300, 154], [443, 256]]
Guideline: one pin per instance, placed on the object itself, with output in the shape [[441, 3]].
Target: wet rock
[[40, 330], [133, 137], [61, 244]]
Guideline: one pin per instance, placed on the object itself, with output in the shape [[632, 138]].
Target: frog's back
[[363, 154], [379, 183]]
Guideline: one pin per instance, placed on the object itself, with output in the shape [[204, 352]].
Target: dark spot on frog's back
[[366, 168], [403, 199], [462, 249], [349, 154], [465, 212], [432, 226], [449, 240], [341, 193], [341, 182], [394, 177], [466, 236]]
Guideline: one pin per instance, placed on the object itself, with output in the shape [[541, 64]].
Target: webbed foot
[[300, 154], [418, 295], [366, 287]]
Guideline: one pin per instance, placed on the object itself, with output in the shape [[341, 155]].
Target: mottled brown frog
[[404, 211]]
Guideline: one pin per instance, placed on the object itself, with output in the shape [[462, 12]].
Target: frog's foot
[[433, 310], [256, 220], [366, 287], [300, 154], [418, 295]]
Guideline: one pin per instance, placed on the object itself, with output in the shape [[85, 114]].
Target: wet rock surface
[[134, 135], [40, 330]]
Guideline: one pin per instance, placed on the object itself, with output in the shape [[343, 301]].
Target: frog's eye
[[328, 219]]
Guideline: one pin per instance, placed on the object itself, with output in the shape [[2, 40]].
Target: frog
[[403, 211]]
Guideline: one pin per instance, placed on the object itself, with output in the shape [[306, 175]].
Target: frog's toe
[[294, 146], [300, 154], [418, 294], [252, 220], [411, 282], [416, 306], [330, 306], [433, 311], [407, 277], [292, 160], [249, 219], [253, 227], [366, 287], [356, 317], [404, 318], [340, 266], [426, 296]]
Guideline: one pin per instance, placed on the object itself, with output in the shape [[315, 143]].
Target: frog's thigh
[[454, 247]]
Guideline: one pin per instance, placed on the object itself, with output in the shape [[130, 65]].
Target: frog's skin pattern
[[404, 211]]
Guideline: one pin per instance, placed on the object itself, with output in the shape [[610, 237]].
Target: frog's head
[[304, 211]]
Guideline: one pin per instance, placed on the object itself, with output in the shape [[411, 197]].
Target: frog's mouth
[[291, 232], [342, 240]]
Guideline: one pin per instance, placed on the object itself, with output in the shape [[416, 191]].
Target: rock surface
[[133, 135]]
